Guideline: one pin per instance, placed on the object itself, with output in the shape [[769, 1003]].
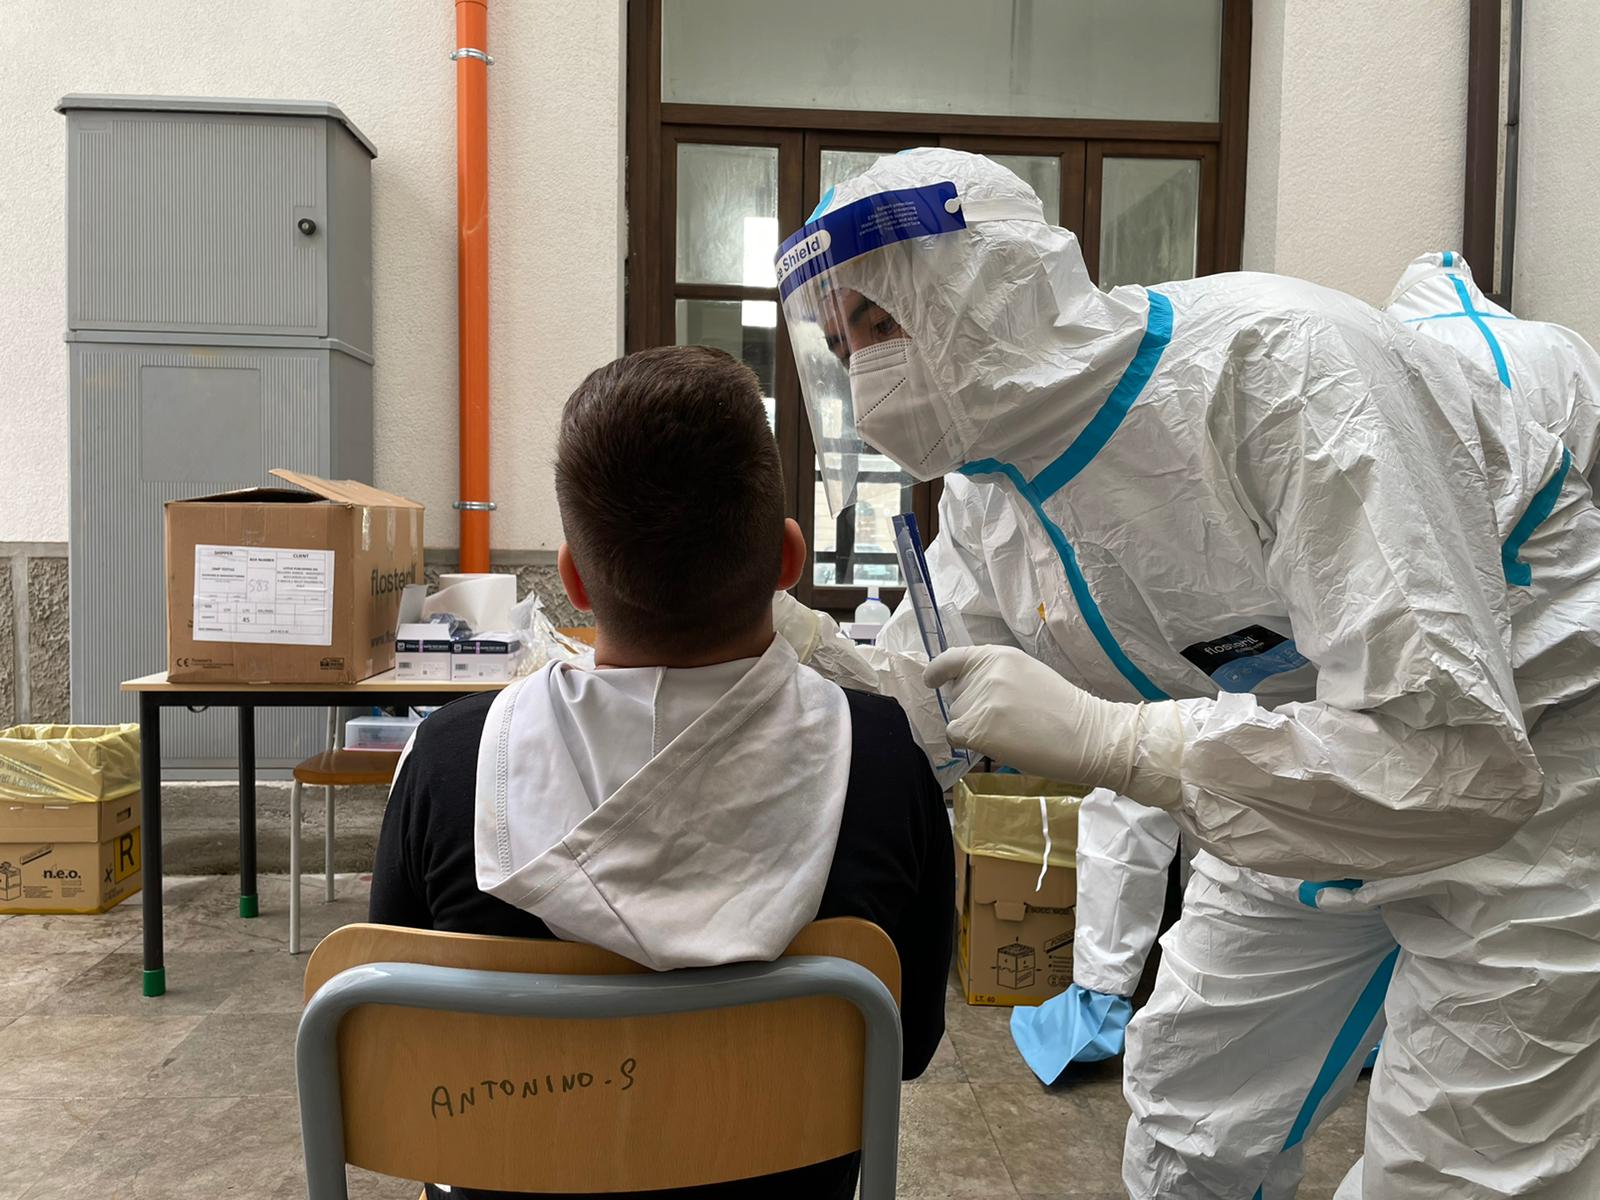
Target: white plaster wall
[[1357, 138], [556, 216], [1558, 234]]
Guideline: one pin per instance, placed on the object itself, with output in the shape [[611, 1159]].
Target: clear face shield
[[832, 325]]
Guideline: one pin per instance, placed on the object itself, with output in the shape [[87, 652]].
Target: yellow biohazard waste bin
[[69, 817], [1016, 887]]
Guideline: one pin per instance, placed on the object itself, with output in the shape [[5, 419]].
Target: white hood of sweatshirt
[[680, 818]]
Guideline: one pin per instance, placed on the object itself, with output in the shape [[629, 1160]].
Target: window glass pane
[[1040, 172], [857, 548], [1149, 218], [839, 165], [1140, 60], [727, 214], [746, 329]]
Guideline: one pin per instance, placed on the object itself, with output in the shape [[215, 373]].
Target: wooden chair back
[[596, 1105]]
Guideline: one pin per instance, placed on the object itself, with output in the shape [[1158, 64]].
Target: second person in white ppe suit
[[1321, 595], [1549, 371]]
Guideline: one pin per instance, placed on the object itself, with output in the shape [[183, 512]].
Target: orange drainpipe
[[472, 275]]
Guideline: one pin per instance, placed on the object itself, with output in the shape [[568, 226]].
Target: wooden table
[[156, 693]]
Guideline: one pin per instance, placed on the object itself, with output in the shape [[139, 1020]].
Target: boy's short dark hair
[[671, 496]]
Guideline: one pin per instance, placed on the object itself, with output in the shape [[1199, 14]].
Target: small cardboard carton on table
[[69, 818], [1015, 926], [288, 585]]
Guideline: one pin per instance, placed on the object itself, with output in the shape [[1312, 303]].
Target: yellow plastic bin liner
[[78, 763], [998, 816]]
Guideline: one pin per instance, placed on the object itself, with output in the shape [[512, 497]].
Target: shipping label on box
[[273, 585], [258, 594]]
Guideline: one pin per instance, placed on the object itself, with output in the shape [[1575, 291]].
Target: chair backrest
[[439, 1070]]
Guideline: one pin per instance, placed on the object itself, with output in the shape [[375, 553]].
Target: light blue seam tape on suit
[[1345, 1044], [1539, 509], [1089, 442], [1476, 318]]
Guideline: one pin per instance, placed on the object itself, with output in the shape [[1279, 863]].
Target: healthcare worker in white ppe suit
[[1550, 371], [1399, 815]]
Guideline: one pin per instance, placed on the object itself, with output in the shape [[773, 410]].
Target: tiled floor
[[104, 1093]]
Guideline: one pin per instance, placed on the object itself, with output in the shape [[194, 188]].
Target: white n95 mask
[[900, 411]]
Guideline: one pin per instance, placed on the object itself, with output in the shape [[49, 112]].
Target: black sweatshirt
[[893, 865]]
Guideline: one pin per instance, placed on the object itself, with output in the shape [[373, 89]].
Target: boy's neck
[[614, 652]]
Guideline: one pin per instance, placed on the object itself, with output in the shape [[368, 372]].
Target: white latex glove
[[796, 624], [1018, 711], [820, 644]]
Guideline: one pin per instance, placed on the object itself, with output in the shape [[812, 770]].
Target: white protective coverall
[[1550, 371], [1389, 758], [1124, 848]]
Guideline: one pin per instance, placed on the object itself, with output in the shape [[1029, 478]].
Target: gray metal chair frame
[[601, 997]]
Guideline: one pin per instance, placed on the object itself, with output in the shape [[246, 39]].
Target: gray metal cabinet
[[219, 306], [213, 216]]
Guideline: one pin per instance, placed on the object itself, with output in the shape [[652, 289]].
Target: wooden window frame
[[654, 128], [1489, 189]]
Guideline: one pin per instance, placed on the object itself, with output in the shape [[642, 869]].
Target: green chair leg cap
[[249, 906], [155, 982]]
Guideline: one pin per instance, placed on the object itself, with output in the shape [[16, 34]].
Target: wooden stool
[[328, 770]]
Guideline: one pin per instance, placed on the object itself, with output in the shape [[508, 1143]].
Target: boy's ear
[[793, 563], [572, 582]]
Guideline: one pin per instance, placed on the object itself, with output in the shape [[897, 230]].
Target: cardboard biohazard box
[[69, 818], [1016, 887], [288, 585], [69, 858]]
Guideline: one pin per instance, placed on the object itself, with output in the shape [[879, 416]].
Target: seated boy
[[699, 796]]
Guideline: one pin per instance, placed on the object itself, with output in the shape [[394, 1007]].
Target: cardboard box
[[79, 857], [276, 585], [1014, 945]]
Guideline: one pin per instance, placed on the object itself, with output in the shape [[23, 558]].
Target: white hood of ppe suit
[[680, 818], [1017, 343], [1550, 371]]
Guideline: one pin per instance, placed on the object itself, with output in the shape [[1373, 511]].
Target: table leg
[[249, 899], [155, 969]]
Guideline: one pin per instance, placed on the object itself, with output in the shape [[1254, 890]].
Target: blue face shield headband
[[829, 322]]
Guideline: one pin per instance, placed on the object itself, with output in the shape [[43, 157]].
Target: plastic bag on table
[[544, 641]]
